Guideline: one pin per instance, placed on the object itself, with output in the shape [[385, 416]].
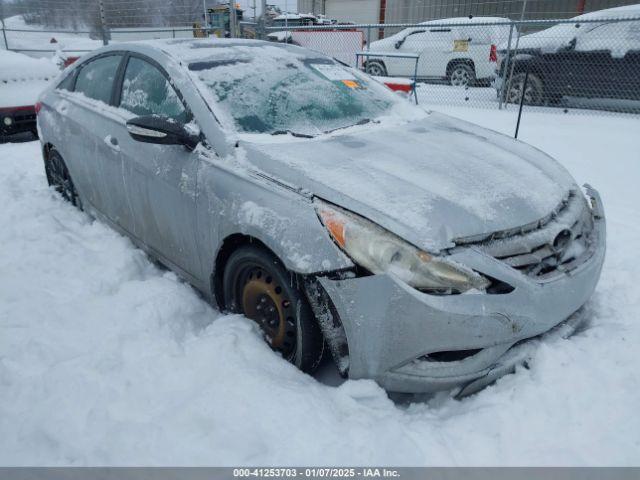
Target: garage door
[[356, 11]]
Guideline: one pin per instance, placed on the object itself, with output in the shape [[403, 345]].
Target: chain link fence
[[587, 64], [579, 65]]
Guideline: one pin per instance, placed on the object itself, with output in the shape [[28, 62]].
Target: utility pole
[[233, 20], [253, 7], [262, 23], [205, 23], [103, 24]]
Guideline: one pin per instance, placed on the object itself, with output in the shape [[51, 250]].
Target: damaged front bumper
[[414, 342]]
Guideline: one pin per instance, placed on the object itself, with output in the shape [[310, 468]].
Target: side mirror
[[161, 130], [572, 44], [399, 44]]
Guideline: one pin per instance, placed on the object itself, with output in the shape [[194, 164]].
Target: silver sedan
[[421, 251]]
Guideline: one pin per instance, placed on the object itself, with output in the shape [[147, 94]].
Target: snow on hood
[[559, 36], [430, 182], [23, 78]]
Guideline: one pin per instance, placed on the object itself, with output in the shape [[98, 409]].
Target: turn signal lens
[[38, 107], [335, 225]]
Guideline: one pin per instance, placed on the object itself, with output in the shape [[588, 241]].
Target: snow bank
[[105, 359], [23, 78]]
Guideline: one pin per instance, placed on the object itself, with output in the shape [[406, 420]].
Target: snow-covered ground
[[107, 360], [20, 35]]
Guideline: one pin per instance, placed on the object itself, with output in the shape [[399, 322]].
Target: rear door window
[[95, 79], [146, 91]]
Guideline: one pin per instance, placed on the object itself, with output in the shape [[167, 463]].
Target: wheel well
[[337, 343], [460, 61], [46, 148], [229, 245], [523, 67]]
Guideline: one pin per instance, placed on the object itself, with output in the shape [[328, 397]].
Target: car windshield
[[284, 89]]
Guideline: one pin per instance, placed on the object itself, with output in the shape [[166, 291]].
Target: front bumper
[[391, 327]]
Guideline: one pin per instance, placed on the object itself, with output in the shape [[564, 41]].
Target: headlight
[[380, 251], [8, 121]]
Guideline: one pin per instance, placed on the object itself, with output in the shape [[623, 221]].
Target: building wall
[[417, 11], [410, 11]]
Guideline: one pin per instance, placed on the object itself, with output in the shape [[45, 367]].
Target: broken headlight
[[379, 251]]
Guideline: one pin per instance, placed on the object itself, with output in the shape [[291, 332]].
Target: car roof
[[189, 50], [622, 12], [466, 20]]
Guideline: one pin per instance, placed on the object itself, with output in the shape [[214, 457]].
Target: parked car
[[424, 251], [461, 50], [22, 79], [578, 59]]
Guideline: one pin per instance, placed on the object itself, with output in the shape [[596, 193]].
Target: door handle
[[112, 143]]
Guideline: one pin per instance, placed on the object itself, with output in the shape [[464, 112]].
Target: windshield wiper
[[364, 121], [295, 134]]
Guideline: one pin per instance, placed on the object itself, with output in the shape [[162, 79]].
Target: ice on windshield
[[271, 89]]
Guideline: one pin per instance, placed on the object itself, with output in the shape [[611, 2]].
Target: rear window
[[95, 79]]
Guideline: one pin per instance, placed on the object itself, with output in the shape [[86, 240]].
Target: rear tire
[[58, 177], [462, 75], [256, 284], [376, 69]]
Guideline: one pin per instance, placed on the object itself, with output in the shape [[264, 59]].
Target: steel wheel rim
[[460, 77], [265, 302], [375, 70]]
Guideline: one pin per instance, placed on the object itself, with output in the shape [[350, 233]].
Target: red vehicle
[[22, 78]]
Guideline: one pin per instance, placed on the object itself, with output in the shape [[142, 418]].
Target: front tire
[[58, 177], [256, 284], [534, 94]]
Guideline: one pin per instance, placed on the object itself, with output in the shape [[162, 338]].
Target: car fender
[[234, 199]]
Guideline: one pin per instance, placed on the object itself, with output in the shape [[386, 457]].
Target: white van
[[460, 50]]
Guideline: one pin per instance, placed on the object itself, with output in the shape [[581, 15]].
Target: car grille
[[552, 246], [24, 117]]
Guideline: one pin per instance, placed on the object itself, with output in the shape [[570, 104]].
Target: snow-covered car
[[424, 251], [22, 79], [588, 59], [461, 50]]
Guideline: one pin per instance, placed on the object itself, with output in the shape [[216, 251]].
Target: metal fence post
[[522, 95], [4, 35], [262, 32], [369, 38], [233, 22], [103, 24], [506, 67]]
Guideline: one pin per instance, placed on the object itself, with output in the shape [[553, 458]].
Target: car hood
[[431, 182]]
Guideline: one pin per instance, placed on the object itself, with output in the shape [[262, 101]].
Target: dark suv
[[582, 59]]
